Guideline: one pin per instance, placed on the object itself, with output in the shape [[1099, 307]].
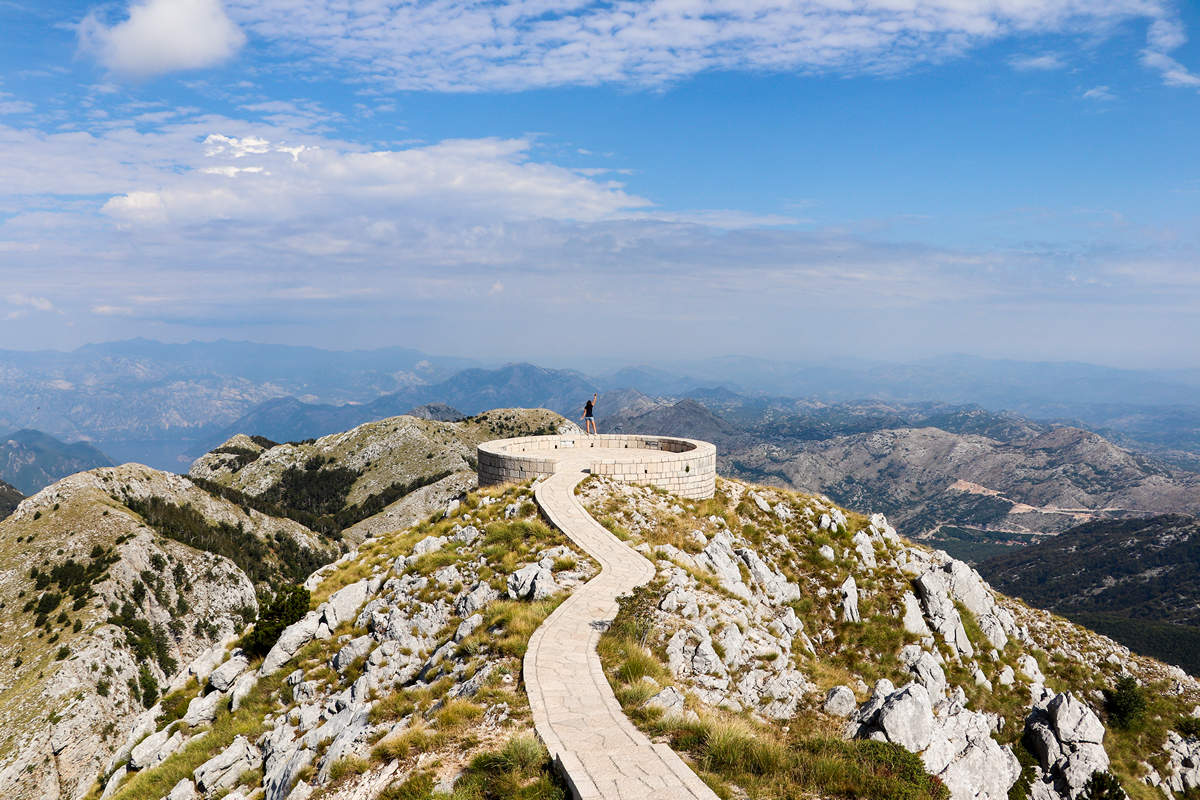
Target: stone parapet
[[686, 467]]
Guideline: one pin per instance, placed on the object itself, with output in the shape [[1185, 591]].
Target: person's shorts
[[589, 418]]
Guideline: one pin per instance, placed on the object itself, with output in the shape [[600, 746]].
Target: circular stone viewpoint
[[686, 467]]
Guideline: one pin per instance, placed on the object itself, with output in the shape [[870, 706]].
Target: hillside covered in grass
[[336, 482]]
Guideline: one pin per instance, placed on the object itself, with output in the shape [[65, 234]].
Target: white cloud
[[1045, 61], [1099, 93], [1163, 37], [467, 45], [112, 311], [163, 36], [28, 301]]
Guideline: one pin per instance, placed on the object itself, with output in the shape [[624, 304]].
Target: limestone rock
[[1067, 738], [224, 769], [531, 582], [152, 750], [203, 709], [840, 701], [290, 641], [475, 600], [670, 700], [185, 790], [849, 590], [222, 677]]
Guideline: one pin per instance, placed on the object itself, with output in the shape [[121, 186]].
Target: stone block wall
[[686, 467]]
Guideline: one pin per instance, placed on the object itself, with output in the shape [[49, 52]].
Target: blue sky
[[549, 179]]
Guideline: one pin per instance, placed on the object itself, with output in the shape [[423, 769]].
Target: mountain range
[[31, 460], [163, 404], [185, 637]]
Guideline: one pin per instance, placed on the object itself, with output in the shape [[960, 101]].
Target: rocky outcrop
[[1067, 738], [955, 744]]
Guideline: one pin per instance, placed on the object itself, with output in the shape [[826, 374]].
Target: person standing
[[588, 409]]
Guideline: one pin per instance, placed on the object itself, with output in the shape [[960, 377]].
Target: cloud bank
[[511, 45]]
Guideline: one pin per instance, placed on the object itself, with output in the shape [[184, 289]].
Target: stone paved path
[[576, 714]]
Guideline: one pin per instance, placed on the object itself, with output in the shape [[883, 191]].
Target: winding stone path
[[597, 748]]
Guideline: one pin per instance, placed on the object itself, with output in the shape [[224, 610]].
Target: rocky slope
[[1138, 580], [786, 648], [777, 617], [107, 601], [338, 481], [402, 679], [32, 460], [9, 499]]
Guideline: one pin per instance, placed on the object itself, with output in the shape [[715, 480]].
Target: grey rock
[[152, 750], [925, 668], [840, 701], [224, 769], [222, 677], [343, 604], [467, 627], [827, 552], [670, 700], [914, 620], [290, 641], [718, 557], [185, 790], [849, 590], [241, 690], [475, 600], [906, 718], [203, 709], [354, 649]]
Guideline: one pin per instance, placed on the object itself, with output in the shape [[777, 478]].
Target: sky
[[565, 180]]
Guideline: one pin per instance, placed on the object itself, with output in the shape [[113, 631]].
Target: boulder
[[1067, 738], [840, 701], [914, 620], [849, 590], [152, 750], [354, 649], [719, 558], [342, 605], [906, 718], [185, 790], [670, 700], [475, 600], [290, 641], [222, 677], [223, 770], [925, 668], [531, 582], [203, 709]]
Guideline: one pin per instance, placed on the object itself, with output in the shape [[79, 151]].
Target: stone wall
[[686, 467]]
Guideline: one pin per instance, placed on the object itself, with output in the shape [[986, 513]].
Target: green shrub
[[1125, 703], [289, 604], [1103, 786], [1188, 727]]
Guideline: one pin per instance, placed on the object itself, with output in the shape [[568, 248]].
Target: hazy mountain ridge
[[10, 498], [31, 460]]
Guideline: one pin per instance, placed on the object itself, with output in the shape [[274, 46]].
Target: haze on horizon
[[636, 182]]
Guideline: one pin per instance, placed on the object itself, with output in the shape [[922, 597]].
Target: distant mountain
[[472, 391], [32, 460], [10, 498], [968, 487], [437, 411], [686, 418], [1136, 580], [149, 401]]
